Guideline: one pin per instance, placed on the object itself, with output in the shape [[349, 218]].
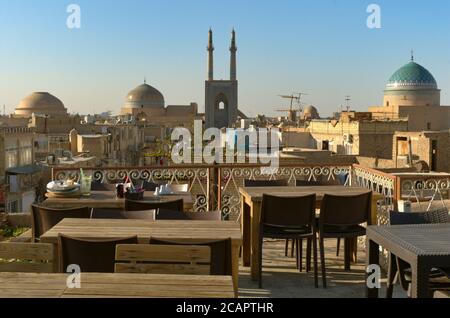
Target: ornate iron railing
[[424, 190], [198, 178], [233, 177], [381, 183]]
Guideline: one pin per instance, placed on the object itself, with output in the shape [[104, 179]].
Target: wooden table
[[423, 246], [107, 199], [94, 285], [251, 211], [185, 231]]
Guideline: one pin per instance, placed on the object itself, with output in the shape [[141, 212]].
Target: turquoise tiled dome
[[412, 75]]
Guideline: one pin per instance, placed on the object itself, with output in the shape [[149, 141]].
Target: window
[[26, 156], [387, 103], [13, 207], [11, 159], [428, 126], [222, 105]]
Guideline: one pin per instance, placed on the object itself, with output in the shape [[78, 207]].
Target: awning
[[28, 169]]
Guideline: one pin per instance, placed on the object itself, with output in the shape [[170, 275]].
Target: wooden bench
[[163, 259], [442, 294], [25, 237], [26, 257]]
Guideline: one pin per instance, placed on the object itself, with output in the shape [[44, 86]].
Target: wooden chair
[[43, 218], [180, 187], [97, 186], [204, 216], [342, 217], [220, 253], [93, 256], [176, 205], [265, 183], [163, 259], [27, 257], [288, 218]]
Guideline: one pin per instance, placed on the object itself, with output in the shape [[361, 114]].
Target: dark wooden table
[[108, 199], [423, 246], [251, 199]]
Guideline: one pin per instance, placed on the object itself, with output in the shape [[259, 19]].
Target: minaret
[[233, 50], [210, 49]]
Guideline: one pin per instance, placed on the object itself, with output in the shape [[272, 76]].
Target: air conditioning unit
[[348, 138]]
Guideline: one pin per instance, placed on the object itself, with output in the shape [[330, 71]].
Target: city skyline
[[324, 49]]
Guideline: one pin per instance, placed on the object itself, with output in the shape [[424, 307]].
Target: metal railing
[[425, 190]]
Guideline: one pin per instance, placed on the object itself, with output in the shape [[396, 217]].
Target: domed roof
[[40, 103], [310, 110], [144, 96], [412, 75]]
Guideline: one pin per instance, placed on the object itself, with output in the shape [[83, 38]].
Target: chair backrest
[[103, 213], [97, 186], [139, 215], [176, 205], [265, 183], [163, 259], [429, 217], [93, 256], [27, 257], [165, 214], [312, 183], [149, 186], [288, 212], [43, 218], [345, 210], [220, 253], [204, 216], [180, 187]]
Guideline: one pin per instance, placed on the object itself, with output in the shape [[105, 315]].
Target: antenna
[[347, 101]]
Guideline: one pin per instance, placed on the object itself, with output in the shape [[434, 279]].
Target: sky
[[320, 47]]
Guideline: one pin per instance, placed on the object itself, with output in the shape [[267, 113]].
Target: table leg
[[420, 278], [374, 210], [373, 258], [235, 268], [348, 252], [246, 232], [255, 216]]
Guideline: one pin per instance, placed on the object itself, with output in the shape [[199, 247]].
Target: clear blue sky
[[322, 47]]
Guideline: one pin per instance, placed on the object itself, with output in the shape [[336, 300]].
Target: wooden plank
[[115, 285], [24, 293], [195, 230], [26, 267], [147, 293], [192, 269], [163, 253], [26, 251]]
